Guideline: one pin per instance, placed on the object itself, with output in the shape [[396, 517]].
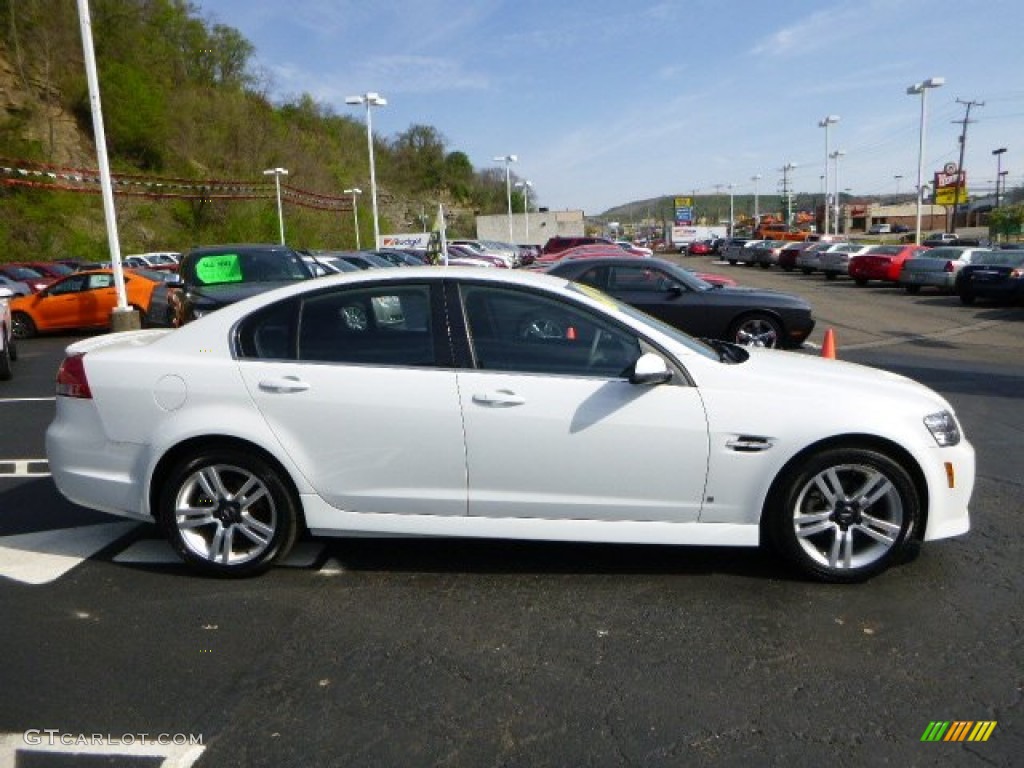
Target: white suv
[[8, 351]]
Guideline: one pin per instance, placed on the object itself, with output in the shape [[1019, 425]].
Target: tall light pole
[[526, 204], [355, 211], [508, 160], [757, 211], [914, 90], [999, 169], [835, 156], [898, 177], [732, 215], [825, 122], [371, 99], [277, 173], [785, 191]]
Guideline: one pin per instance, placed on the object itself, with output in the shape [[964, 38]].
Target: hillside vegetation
[[190, 128]]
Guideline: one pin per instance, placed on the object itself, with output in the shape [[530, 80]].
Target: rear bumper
[[90, 470]]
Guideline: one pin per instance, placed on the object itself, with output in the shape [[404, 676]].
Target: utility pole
[[960, 166]]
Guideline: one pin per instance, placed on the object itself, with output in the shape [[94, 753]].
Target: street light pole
[[371, 99], [757, 211], [835, 156], [277, 173], [526, 204], [825, 122], [355, 211], [508, 160], [732, 215], [914, 90], [785, 191], [999, 169]]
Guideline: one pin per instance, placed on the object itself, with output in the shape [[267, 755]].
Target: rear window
[[244, 266]]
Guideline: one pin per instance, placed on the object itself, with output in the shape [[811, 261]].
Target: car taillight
[[948, 267], [71, 378]]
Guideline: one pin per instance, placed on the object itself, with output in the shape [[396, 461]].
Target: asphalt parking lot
[[465, 653]]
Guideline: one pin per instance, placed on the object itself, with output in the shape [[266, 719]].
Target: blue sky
[[609, 102]]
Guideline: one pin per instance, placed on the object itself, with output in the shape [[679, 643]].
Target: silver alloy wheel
[[757, 332], [225, 514], [848, 516]]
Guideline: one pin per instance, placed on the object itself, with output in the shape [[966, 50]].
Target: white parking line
[[24, 468], [15, 747], [27, 399], [45, 556]]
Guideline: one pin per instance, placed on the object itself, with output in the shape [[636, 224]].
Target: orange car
[[80, 300]]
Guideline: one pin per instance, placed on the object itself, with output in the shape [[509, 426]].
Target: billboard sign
[[683, 211], [946, 183]]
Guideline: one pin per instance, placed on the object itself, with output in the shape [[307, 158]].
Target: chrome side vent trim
[[749, 444]]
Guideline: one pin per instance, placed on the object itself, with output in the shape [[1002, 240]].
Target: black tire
[[6, 371], [806, 270], [787, 269], [22, 326], [860, 281], [732, 262], [841, 536], [912, 289], [765, 265], [831, 275], [756, 329], [264, 528], [13, 346], [966, 297]]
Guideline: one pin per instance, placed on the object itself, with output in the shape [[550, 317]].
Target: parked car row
[[971, 271]]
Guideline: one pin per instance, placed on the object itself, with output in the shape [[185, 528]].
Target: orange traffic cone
[[828, 347]]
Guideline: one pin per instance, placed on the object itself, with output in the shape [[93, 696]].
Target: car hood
[[819, 382], [759, 295], [229, 293]]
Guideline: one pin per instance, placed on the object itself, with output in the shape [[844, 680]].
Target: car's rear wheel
[[756, 330], [732, 262], [860, 281], [806, 270], [22, 326], [912, 289], [966, 297], [844, 515], [831, 275], [228, 513]]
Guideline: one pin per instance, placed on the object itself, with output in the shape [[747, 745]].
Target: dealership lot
[[377, 652]]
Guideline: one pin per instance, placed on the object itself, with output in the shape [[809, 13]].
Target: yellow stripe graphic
[[982, 730]]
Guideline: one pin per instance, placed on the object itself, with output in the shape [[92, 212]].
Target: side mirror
[[650, 369]]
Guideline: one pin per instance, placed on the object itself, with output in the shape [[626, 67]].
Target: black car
[[399, 258], [215, 276], [672, 294], [1000, 276]]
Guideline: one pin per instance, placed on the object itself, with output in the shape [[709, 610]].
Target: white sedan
[[490, 403]]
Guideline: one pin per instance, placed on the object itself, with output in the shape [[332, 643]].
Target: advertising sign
[[684, 211], [946, 186]]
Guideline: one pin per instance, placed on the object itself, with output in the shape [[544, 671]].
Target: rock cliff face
[[30, 114]]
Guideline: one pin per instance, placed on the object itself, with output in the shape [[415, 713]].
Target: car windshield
[[23, 273], [675, 334], [1003, 259], [247, 266], [884, 250]]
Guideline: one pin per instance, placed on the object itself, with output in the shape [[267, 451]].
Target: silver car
[[937, 267]]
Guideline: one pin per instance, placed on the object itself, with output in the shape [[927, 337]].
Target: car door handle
[[499, 398], [284, 385]]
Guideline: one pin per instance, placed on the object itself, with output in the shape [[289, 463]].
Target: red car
[[698, 248], [882, 262]]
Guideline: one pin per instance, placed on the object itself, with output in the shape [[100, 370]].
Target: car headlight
[[943, 427]]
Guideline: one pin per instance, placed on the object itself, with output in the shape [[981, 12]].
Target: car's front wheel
[[844, 515], [756, 330], [228, 513], [912, 289], [22, 326]]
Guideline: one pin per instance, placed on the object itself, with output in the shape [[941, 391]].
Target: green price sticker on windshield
[[222, 268]]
